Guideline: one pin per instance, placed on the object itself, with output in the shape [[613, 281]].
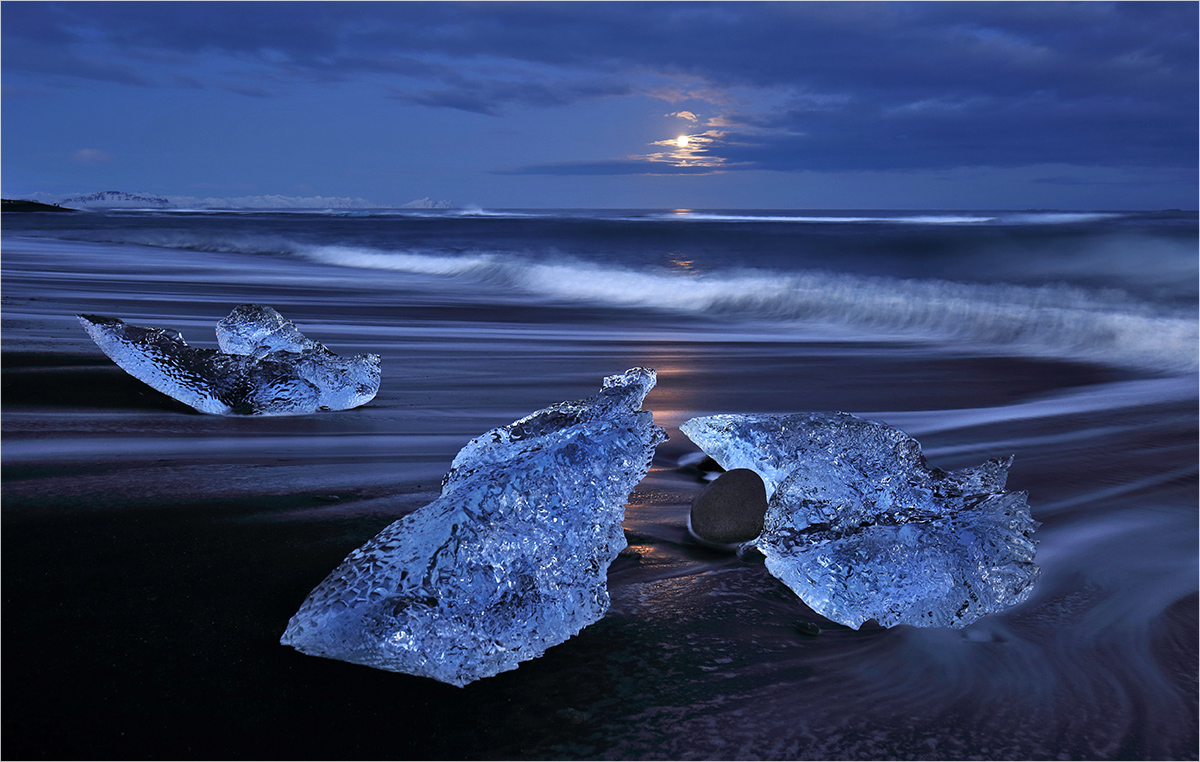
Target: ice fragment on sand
[[510, 559], [263, 334], [265, 366], [258, 330], [860, 528]]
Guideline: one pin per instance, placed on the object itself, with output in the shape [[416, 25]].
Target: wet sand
[[152, 557]]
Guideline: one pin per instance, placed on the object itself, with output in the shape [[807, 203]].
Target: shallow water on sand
[[152, 556]]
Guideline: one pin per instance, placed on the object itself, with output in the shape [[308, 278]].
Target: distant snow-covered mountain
[[113, 199], [272, 202], [428, 203], [117, 200]]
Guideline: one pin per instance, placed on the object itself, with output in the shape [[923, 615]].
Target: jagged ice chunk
[[510, 559], [258, 330], [860, 528], [265, 366], [262, 333]]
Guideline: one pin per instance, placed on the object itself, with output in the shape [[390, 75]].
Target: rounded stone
[[807, 628], [730, 510]]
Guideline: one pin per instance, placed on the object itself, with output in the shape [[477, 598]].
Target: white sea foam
[[1106, 326], [921, 219], [477, 211], [1001, 218], [1057, 218], [1051, 320], [1089, 399], [403, 261]]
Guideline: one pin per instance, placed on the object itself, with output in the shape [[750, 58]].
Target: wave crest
[[1053, 320], [1105, 326], [1001, 218]]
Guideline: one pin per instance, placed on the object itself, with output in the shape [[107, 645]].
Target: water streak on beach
[[152, 555]]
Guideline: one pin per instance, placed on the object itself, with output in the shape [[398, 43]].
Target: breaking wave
[[1103, 325], [1015, 218], [1051, 320]]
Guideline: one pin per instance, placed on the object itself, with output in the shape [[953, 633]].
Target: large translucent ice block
[[860, 528], [262, 333], [265, 366], [510, 559]]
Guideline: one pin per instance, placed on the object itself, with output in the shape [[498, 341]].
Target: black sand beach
[[152, 555]]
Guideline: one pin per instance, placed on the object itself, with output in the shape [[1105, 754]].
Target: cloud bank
[[784, 87]]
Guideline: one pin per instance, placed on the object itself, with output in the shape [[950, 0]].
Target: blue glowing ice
[[265, 366], [510, 559], [860, 528]]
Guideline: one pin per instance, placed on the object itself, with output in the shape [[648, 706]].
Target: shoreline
[[153, 555]]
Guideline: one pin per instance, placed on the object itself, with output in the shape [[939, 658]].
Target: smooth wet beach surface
[[152, 556]]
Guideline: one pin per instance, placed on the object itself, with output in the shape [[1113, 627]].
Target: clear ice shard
[[265, 365], [508, 561], [860, 528]]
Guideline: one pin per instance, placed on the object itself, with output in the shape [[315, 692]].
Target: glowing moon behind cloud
[[682, 141]]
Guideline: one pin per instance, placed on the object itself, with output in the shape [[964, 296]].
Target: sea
[[152, 555]]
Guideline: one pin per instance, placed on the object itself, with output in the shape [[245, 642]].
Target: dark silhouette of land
[[18, 205]]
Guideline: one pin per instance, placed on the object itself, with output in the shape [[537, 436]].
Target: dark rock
[[572, 715], [807, 628], [21, 205], [730, 510]]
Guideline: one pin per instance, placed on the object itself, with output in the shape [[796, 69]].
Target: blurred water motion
[[181, 543]]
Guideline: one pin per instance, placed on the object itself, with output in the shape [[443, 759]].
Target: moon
[[682, 141]]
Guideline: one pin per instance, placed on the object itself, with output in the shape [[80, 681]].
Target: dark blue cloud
[[612, 167], [993, 131], [830, 86], [59, 61], [491, 96], [993, 47]]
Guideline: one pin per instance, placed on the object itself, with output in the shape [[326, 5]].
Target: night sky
[[1085, 105]]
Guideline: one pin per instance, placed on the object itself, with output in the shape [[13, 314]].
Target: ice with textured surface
[[860, 528], [508, 561], [265, 365], [263, 334]]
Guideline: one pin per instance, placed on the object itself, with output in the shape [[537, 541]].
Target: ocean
[[152, 555]]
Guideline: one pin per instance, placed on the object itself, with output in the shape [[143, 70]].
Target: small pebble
[[572, 715], [807, 628], [730, 510]]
